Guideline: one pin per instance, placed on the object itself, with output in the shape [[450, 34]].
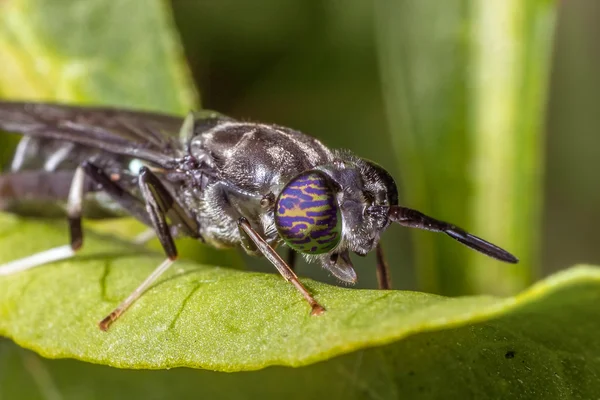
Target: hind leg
[[74, 212]]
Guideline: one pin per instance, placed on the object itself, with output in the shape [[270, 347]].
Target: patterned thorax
[[307, 216]]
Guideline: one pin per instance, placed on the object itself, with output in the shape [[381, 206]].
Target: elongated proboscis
[[415, 219]]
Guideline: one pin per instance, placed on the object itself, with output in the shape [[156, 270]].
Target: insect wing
[[58, 138], [148, 136], [38, 179]]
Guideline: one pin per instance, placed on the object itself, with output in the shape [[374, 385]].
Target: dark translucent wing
[[148, 136]]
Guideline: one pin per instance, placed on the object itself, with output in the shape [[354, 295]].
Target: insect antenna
[[416, 219]]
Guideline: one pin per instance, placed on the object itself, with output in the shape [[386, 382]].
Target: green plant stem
[[510, 48], [464, 84]]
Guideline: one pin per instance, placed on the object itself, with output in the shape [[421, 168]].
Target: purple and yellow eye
[[307, 216]]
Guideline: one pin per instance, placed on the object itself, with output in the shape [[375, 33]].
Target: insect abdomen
[[307, 216]]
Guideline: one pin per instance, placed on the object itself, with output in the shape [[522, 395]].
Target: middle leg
[[383, 271], [159, 203]]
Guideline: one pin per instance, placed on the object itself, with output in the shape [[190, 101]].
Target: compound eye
[[307, 216]]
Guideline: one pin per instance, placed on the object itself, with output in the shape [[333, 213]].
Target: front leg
[[253, 239]]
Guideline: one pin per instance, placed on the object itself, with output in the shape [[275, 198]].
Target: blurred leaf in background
[[74, 53], [94, 52], [307, 64], [572, 191], [465, 88]]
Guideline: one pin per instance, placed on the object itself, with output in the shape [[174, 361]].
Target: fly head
[[333, 210], [365, 191], [344, 207]]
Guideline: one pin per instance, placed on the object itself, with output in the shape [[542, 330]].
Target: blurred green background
[[572, 191], [313, 65], [327, 68]]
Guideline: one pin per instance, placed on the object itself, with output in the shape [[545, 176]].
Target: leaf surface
[[229, 320]]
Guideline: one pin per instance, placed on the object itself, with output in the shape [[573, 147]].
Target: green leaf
[[465, 85], [112, 52], [228, 320], [120, 53]]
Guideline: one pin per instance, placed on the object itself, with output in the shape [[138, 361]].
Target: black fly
[[221, 181]]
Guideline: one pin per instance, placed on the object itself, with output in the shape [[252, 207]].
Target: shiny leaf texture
[[94, 51], [228, 320]]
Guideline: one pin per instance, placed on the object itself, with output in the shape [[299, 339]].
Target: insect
[[224, 182]]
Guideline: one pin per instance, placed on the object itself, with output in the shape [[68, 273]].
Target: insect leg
[[74, 209], [159, 203], [144, 237], [252, 236], [247, 243], [291, 259], [153, 188], [383, 272], [126, 200], [125, 304], [61, 252], [416, 219]]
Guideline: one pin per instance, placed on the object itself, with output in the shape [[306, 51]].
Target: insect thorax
[[247, 162]]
